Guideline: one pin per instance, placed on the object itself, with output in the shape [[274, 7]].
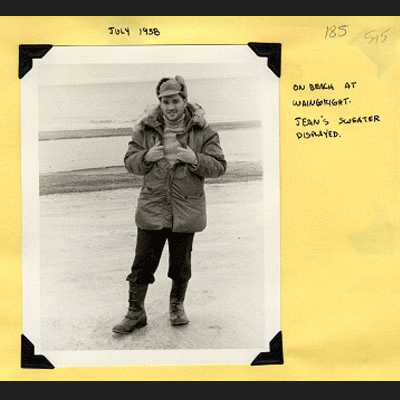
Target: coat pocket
[[190, 213], [198, 196], [148, 191], [149, 209]]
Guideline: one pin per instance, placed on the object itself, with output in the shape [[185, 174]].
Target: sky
[[62, 74]]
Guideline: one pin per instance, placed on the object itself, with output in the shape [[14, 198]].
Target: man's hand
[[155, 153], [186, 155]]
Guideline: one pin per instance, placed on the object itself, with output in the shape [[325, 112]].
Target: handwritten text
[[325, 126]]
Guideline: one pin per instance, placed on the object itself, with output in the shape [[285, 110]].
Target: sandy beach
[[86, 247]]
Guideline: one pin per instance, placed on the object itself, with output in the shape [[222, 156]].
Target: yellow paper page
[[339, 177]]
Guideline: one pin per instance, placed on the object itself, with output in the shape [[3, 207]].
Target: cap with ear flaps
[[170, 86]]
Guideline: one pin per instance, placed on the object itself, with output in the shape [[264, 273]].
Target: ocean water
[[100, 152]]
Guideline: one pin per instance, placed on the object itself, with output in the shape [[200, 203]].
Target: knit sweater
[[170, 142]]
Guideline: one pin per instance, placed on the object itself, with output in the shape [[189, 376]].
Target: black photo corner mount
[[31, 360], [27, 52], [274, 356], [270, 50]]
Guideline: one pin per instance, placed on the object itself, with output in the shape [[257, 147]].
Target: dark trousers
[[149, 248]]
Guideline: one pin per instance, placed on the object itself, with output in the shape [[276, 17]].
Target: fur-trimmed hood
[[194, 115]]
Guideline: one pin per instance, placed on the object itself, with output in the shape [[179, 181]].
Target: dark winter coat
[[173, 196]]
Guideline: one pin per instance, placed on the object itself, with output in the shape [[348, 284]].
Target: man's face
[[173, 106]]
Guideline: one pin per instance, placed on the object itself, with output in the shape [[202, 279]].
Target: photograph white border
[[30, 199]]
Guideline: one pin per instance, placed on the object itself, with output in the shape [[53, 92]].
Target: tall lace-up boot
[[177, 314], [136, 316]]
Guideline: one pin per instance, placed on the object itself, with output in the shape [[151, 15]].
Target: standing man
[[174, 149]]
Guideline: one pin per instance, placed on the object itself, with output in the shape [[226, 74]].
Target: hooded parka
[[173, 196]]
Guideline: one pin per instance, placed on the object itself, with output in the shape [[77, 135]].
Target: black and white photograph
[[150, 202]]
